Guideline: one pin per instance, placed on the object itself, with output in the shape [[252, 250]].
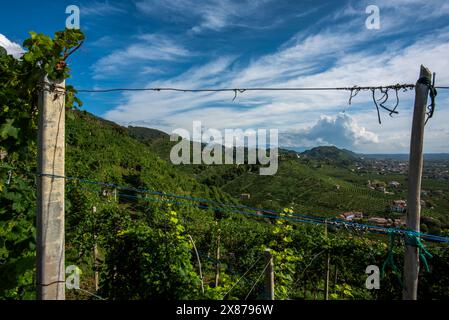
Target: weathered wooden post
[[217, 266], [96, 265], [411, 263], [269, 275]]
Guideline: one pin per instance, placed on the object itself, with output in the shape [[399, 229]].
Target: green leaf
[[8, 130], [70, 116]]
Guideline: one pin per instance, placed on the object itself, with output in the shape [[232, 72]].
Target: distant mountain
[[332, 154], [294, 149], [146, 134]]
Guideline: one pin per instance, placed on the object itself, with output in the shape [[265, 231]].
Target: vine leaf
[[8, 130]]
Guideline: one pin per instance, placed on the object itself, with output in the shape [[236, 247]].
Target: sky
[[267, 43]]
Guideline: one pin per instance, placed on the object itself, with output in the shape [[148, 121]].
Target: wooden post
[[411, 261], [335, 275], [96, 275], [326, 283], [50, 192], [269, 275], [199, 263], [217, 272]]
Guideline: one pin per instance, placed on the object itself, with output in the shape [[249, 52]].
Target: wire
[[247, 271], [258, 279], [169, 195], [292, 218], [242, 90], [354, 91], [91, 294], [261, 213]]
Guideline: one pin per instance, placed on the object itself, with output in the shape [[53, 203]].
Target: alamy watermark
[[238, 143], [373, 279], [73, 20], [73, 277], [373, 20]]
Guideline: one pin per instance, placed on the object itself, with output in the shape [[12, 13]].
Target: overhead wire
[[261, 213], [256, 212]]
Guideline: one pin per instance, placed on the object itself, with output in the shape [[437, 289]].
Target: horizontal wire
[[158, 193], [261, 213], [311, 220], [273, 214], [242, 90]]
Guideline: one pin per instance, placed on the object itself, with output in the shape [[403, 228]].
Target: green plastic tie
[[390, 258], [413, 240]]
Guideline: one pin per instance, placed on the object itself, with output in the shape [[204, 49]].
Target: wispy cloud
[[344, 53], [101, 8], [211, 15], [146, 48]]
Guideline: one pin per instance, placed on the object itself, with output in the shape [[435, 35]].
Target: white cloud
[[339, 55], [146, 48], [210, 15], [342, 131], [12, 48]]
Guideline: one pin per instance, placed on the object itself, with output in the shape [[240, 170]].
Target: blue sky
[[226, 43]]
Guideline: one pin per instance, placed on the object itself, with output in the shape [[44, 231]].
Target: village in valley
[[395, 211], [434, 168]]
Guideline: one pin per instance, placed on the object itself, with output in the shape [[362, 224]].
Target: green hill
[[146, 134], [332, 154], [103, 151], [319, 182]]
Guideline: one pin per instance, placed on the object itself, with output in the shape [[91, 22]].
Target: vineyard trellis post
[[411, 260], [269, 275], [217, 266], [328, 259], [95, 252], [50, 191]]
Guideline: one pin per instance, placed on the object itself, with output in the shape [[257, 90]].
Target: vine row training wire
[[254, 212]]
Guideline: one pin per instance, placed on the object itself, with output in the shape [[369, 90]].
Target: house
[[350, 216], [379, 221], [399, 206], [394, 184], [245, 196], [377, 185]]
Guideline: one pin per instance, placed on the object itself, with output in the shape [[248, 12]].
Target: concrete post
[[50, 209]]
